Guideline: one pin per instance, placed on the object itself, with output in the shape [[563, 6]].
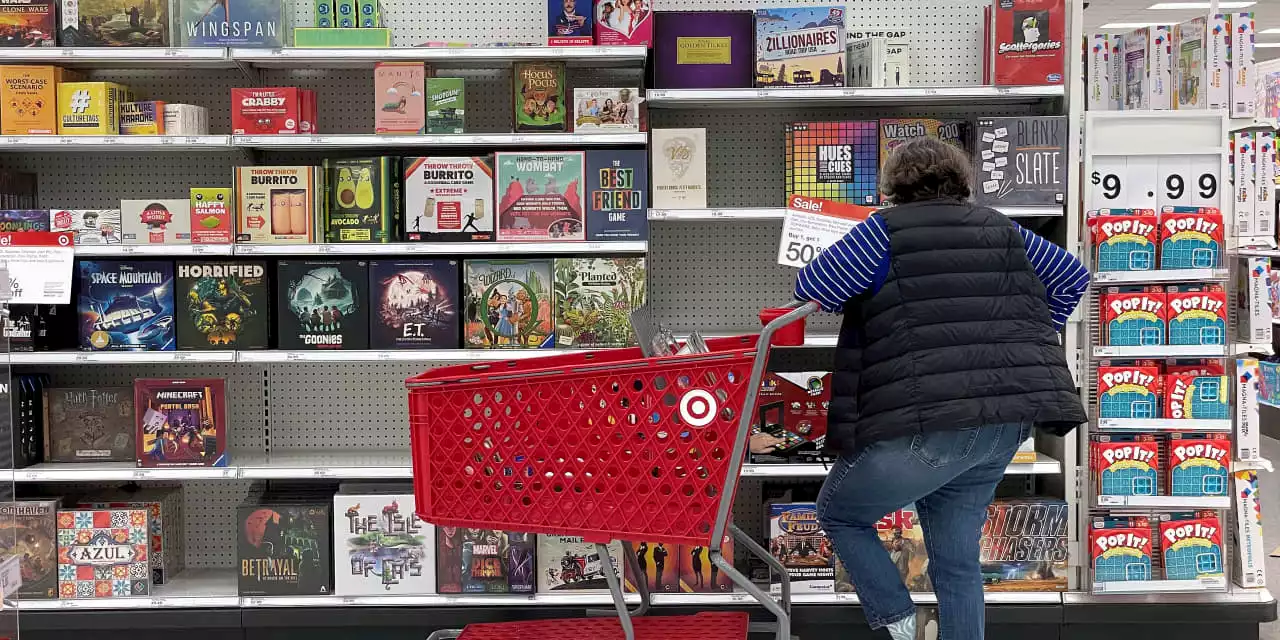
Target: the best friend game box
[[1134, 316], [1120, 547], [1197, 314], [1125, 465], [1190, 237], [1199, 464], [1124, 239], [1129, 391], [1191, 544]]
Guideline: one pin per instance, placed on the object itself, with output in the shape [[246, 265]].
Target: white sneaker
[[904, 629]]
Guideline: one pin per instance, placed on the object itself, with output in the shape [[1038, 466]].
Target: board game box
[[508, 304], [275, 205], [449, 199], [89, 424], [837, 161], [483, 561], [90, 108], [895, 131], [1120, 548], [89, 227], [1191, 544], [1190, 89], [1124, 241], [566, 25], [792, 406], [1197, 314], [114, 23], [679, 168], [541, 196], [156, 221], [399, 93], [323, 304], [126, 305], [540, 96], [380, 546], [1135, 316], [1024, 545], [1029, 37], [362, 199], [233, 23], [699, 575], [797, 541], [567, 563], [227, 305], [703, 49], [903, 538], [181, 423], [29, 530], [1199, 464], [1197, 396], [446, 105], [103, 553], [1137, 56], [617, 194], [415, 304], [12, 220], [1190, 237], [624, 22], [599, 110], [595, 298], [1129, 391], [1021, 161], [29, 23], [283, 549], [800, 46], [660, 564], [1125, 465], [164, 509], [29, 98], [212, 220]]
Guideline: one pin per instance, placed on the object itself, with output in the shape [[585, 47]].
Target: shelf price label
[[810, 225]]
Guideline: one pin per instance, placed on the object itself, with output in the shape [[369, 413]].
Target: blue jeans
[[951, 476]]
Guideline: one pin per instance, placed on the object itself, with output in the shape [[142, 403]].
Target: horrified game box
[[89, 425], [225, 305], [181, 423], [415, 304], [323, 304], [284, 548]]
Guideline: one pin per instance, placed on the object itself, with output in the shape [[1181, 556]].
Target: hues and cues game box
[[323, 304], [837, 161], [126, 305], [415, 304], [227, 305], [181, 423]]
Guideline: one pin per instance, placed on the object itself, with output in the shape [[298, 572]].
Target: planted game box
[[283, 547], [1197, 396], [568, 26], [797, 541], [276, 205], [114, 23], [1125, 465], [212, 221], [89, 424], [698, 574], [617, 194], [1199, 464], [541, 98], [103, 553], [800, 46], [703, 49], [1197, 314], [660, 564], [541, 196], [29, 530], [446, 105], [1024, 545], [156, 221], [399, 92], [29, 23], [362, 199], [1120, 548], [837, 161], [567, 563], [1191, 543], [1021, 161], [233, 23], [508, 304], [164, 511], [1135, 316], [227, 305], [606, 110], [322, 304], [415, 304], [1190, 237], [24, 220], [895, 131], [595, 298], [1129, 391], [483, 561], [1123, 241], [181, 423], [679, 168], [126, 305], [449, 199], [380, 545], [1029, 37], [624, 22]]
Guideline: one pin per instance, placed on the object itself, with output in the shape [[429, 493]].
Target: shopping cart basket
[[608, 445]]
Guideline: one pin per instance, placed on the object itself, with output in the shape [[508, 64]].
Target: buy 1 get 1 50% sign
[[813, 224]]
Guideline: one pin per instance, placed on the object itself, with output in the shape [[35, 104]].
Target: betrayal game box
[[660, 564], [380, 546], [798, 542], [114, 23], [484, 561], [28, 23], [103, 553], [227, 305], [617, 188], [126, 305], [541, 98], [181, 423], [1024, 545], [703, 49], [541, 196], [508, 304], [1021, 161], [323, 304], [448, 199], [838, 161], [568, 563], [284, 549], [1029, 37], [164, 510], [414, 304], [29, 530], [233, 23], [89, 424], [362, 199], [89, 227], [594, 301], [800, 46]]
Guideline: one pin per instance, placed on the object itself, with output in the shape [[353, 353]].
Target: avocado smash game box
[[1199, 464], [1125, 465], [1124, 239], [1128, 391], [1134, 316], [1120, 548], [1191, 544], [1197, 314], [1190, 237]]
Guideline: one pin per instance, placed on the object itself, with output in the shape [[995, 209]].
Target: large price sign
[[39, 265], [812, 224], [1153, 182]]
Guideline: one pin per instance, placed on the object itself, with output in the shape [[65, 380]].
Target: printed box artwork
[[541, 196], [89, 108], [181, 423], [227, 305], [1124, 242], [29, 98], [606, 110], [89, 424], [1021, 161], [362, 199], [1129, 391], [446, 105], [103, 553], [1190, 90], [1244, 73], [1218, 61], [1120, 548], [567, 563], [1125, 465], [164, 511], [284, 549], [1024, 545], [275, 205], [1246, 536], [1135, 316], [126, 305], [679, 168], [483, 561], [903, 538], [703, 49], [399, 90], [415, 304], [836, 161], [29, 530], [1190, 238], [156, 221], [566, 25], [895, 131], [1137, 56], [211, 218], [595, 298], [233, 23], [699, 575], [145, 118], [617, 194], [1197, 397], [660, 564], [508, 304], [24, 220], [323, 304], [114, 23], [1243, 166], [792, 406], [29, 23], [266, 111], [1197, 314], [449, 199], [1191, 544], [1098, 72], [623, 22], [1199, 464], [380, 546], [797, 541], [1029, 37], [1160, 66], [540, 96], [800, 46]]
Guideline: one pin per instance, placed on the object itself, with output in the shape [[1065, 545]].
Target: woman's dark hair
[[926, 169]]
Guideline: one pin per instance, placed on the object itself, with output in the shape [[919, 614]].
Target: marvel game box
[[484, 561]]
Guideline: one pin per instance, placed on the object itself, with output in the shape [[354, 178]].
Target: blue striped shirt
[[859, 262]]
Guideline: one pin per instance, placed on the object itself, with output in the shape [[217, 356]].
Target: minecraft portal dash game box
[[1124, 239], [181, 423], [1199, 464], [1197, 314], [1190, 237], [1129, 391], [1191, 544], [1120, 548], [1125, 465], [1196, 396], [1134, 316]]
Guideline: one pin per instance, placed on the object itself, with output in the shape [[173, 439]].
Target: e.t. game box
[[415, 304]]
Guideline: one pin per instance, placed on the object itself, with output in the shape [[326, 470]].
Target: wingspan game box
[[1191, 544], [1190, 238], [322, 304], [1134, 316], [227, 305], [29, 530], [1120, 548], [1024, 545], [1124, 239], [126, 305], [381, 547], [415, 304], [1199, 464], [541, 196], [595, 298], [1129, 391], [103, 553], [508, 304], [89, 424], [1125, 465], [181, 423], [837, 161], [1197, 314]]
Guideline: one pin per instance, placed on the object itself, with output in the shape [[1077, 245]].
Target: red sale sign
[[37, 267], [36, 239]]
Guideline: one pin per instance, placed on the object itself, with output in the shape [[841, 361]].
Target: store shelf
[[371, 141], [1162, 424], [777, 213], [440, 248], [1261, 253], [1166, 502], [1160, 586], [114, 472], [167, 250], [119, 357], [121, 57], [845, 96], [1043, 465], [354, 464], [117, 144], [443, 57], [1162, 351], [1159, 276], [436, 355], [192, 588]]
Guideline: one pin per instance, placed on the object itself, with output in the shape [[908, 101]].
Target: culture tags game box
[[838, 161], [29, 530], [541, 97], [1191, 543], [698, 574], [1124, 464], [1120, 548], [323, 304], [89, 227], [1199, 464], [1190, 237], [164, 513], [797, 541], [1135, 316], [449, 199], [103, 553], [181, 423], [484, 561], [227, 305], [660, 564], [126, 305], [567, 563], [1024, 545], [508, 304], [1124, 239], [380, 546], [595, 298], [362, 199], [156, 221], [283, 549], [540, 196], [1197, 314], [89, 424], [1028, 42], [233, 23], [415, 304], [800, 46], [1021, 161], [617, 194], [29, 23], [1129, 391]]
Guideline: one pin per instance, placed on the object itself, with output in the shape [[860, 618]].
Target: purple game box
[[703, 49]]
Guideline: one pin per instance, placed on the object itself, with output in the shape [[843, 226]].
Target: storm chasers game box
[[126, 305], [508, 304], [103, 553], [29, 530], [595, 298], [617, 194], [484, 561], [1028, 43], [225, 305], [801, 46], [415, 304], [797, 541], [89, 424], [323, 304], [448, 198], [540, 196], [1024, 545], [1021, 161], [28, 23], [181, 423], [283, 548], [380, 546]]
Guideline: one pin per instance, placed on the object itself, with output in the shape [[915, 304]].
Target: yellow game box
[[29, 98], [90, 108]]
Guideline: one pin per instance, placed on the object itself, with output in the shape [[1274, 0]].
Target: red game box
[[1197, 314], [266, 111], [1199, 227], [1201, 368], [1182, 398], [1129, 304], [795, 402], [1132, 460], [1029, 42], [1194, 536], [1120, 548], [1198, 455], [1133, 233], [181, 423], [1118, 384]]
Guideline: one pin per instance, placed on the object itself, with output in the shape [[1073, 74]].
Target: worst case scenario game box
[[181, 423], [126, 305], [323, 304], [415, 304], [225, 305]]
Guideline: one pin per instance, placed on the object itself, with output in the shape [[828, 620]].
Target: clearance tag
[[813, 224]]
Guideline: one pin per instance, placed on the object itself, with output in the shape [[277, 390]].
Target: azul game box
[[28, 23], [508, 304], [1190, 237], [276, 205], [1024, 545], [679, 168], [1021, 161], [414, 304], [1135, 316], [181, 423], [167, 536], [24, 220], [1199, 464], [103, 553], [29, 530], [283, 547], [323, 304], [703, 49], [1197, 396], [449, 199], [1120, 548], [1029, 37], [606, 110], [660, 564], [1197, 314], [114, 23], [540, 96], [362, 199], [89, 424], [567, 563], [623, 22], [1129, 391], [89, 227], [594, 301], [126, 305], [226, 305], [1191, 544], [566, 25], [541, 196], [446, 105], [1125, 465], [484, 561], [617, 194], [836, 161], [1124, 239], [156, 221], [800, 46], [797, 541], [233, 23], [698, 574], [380, 546]]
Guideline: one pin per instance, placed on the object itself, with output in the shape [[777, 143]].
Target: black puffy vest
[[959, 335]]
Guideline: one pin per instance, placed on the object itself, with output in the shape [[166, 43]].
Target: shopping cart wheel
[[445, 634]]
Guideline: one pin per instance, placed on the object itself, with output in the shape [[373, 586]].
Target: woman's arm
[[855, 264], [1065, 278]]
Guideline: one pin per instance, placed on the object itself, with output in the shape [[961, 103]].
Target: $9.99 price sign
[[1155, 182], [812, 224]]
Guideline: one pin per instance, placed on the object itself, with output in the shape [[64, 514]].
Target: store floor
[[1270, 487]]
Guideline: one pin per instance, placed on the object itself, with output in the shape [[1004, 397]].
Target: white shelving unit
[[791, 97], [751, 214], [482, 140], [113, 144], [440, 248]]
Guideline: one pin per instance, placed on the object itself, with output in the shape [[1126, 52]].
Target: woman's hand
[[764, 443]]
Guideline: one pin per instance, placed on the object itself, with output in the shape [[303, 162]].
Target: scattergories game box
[[1029, 42], [323, 304], [181, 423], [225, 305]]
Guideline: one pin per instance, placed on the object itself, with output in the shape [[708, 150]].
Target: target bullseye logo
[[698, 408]]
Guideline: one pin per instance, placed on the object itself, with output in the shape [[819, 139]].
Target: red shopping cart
[[608, 445]]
